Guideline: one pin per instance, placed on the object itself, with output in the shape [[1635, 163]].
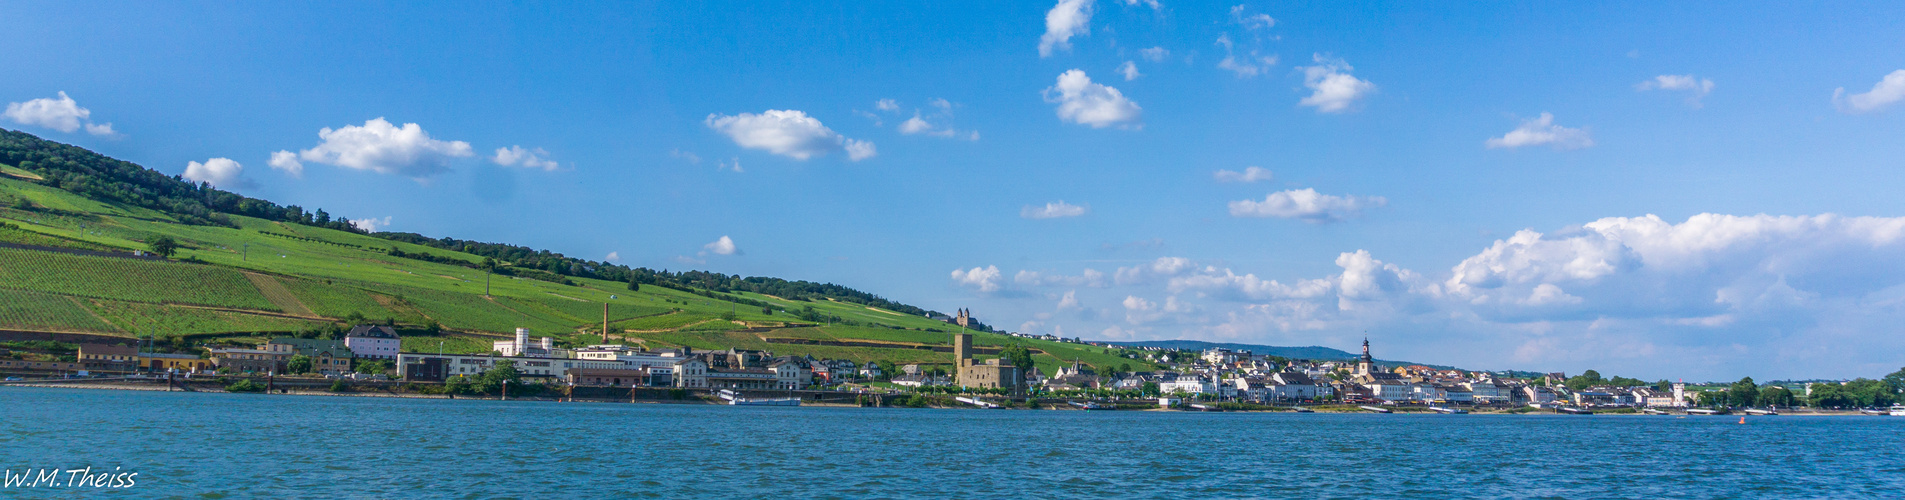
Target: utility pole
[[246, 256]]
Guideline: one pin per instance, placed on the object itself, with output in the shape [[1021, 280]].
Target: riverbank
[[1048, 405]]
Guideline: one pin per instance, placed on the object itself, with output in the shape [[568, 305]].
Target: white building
[[1188, 384], [523, 348], [1391, 389], [443, 366], [373, 342]]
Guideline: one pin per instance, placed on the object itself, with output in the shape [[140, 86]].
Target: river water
[[201, 445]]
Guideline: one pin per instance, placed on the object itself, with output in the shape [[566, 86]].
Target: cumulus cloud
[[1130, 71], [1884, 94], [732, 165], [1251, 21], [1052, 210], [1250, 174], [723, 246], [1542, 130], [1155, 54], [526, 158], [382, 147], [1306, 204], [1065, 20], [789, 133], [921, 124], [887, 105], [288, 162], [372, 224], [1696, 88], [1333, 89], [220, 172], [1244, 67], [61, 113], [1147, 3], [984, 279], [613, 257], [1083, 102], [1714, 296]]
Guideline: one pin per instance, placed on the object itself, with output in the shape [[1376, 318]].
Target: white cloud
[[288, 162], [220, 172], [984, 279], [1245, 67], [789, 133], [1163, 267], [1251, 21], [1083, 102], [920, 126], [1147, 3], [1696, 88], [887, 105], [1250, 174], [1069, 301], [723, 246], [62, 114], [1089, 278], [372, 224], [381, 147], [1155, 54], [732, 165], [1052, 210], [613, 257], [527, 158], [1067, 19], [1306, 204], [1130, 71], [1542, 130], [1334, 90], [685, 156], [1884, 94], [1225, 282]]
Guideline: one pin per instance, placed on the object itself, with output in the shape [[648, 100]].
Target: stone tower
[[1366, 364]]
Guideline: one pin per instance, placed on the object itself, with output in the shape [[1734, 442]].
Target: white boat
[[735, 398], [1757, 411], [1897, 410], [1451, 411], [1652, 411], [1569, 410], [1869, 411], [1377, 409], [1702, 411], [1300, 409], [977, 402]]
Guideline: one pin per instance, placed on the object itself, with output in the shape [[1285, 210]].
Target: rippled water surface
[[242, 446]]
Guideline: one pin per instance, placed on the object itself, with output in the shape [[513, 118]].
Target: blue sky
[[1392, 194]]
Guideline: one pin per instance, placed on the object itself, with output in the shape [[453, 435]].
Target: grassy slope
[[335, 273]]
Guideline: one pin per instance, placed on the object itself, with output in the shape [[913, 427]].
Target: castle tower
[[962, 349]]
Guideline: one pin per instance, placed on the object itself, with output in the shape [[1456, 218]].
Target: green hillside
[[242, 276]]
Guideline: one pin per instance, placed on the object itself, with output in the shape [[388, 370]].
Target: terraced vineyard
[[128, 279], [156, 319], [42, 311]]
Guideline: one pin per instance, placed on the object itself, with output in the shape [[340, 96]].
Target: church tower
[[1366, 364]]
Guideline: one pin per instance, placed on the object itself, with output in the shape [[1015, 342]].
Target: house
[[373, 342], [1486, 390], [871, 370], [170, 362], [328, 357], [108, 357], [692, 373], [647, 376], [1188, 384], [1391, 388], [250, 360], [1538, 394], [1456, 394], [1296, 386]]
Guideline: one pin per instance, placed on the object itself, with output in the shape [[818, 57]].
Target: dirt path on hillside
[[279, 295]]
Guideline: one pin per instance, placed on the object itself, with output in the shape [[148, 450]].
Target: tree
[[164, 246], [1019, 356], [887, 369], [298, 364], [633, 286], [1663, 386], [1743, 393], [1896, 381], [492, 380], [1774, 395]]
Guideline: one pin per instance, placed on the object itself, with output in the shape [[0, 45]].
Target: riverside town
[[366, 361]]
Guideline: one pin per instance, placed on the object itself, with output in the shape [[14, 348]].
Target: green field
[[333, 275]]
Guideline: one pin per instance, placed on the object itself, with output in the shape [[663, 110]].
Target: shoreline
[[698, 401]]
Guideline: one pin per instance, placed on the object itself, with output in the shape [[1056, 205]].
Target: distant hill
[[1310, 352]]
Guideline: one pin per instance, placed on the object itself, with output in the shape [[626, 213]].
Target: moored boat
[[1300, 409], [1652, 411], [1377, 409], [1088, 405], [1897, 410], [1569, 410], [1451, 411], [1757, 411], [1702, 411]]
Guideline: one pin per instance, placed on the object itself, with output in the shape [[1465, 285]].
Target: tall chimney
[[605, 322]]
